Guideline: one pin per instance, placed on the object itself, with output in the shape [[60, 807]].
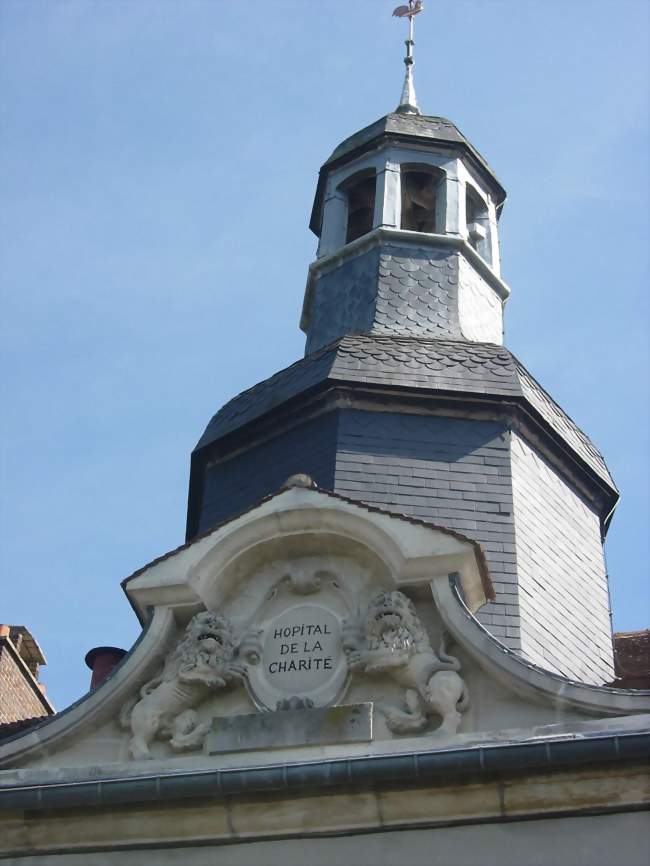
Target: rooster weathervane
[[408, 103]]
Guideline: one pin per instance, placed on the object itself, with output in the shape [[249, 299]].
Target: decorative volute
[[406, 214]]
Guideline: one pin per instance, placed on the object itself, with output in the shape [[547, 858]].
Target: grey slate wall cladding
[[452, 472], [233, 485], [343, 301], [417, 293], [391, 290], [564, 601]]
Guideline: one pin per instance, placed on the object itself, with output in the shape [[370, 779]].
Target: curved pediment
[[299, 521], [311, 622]]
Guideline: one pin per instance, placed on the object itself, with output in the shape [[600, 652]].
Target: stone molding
[[281, 814], [527, 678]]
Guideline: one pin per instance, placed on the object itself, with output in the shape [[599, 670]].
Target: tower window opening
[[419, 193], [476, 215], [360, 194]]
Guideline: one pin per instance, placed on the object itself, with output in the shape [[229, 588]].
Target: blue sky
[[158, 163]]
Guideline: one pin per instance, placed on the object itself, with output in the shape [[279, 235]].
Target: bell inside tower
[[419, 193], [360, 196]]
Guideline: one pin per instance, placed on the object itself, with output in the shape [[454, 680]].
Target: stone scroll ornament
[[391, 641], [204, 661]]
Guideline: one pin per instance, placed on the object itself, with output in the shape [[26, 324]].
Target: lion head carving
[[203, 662], [205, 652], [391, 641], [392, 625]]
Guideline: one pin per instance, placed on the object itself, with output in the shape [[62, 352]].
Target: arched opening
[[478, 224], [360, 193], [420, 191]]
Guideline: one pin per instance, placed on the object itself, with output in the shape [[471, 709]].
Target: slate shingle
[[449, 366]]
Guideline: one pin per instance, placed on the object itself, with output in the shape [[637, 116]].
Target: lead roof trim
[[408, 768]]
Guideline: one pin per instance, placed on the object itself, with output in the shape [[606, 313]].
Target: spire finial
[[408, 104]]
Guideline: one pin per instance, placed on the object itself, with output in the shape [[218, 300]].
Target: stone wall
[[463, 824], [563, 598]]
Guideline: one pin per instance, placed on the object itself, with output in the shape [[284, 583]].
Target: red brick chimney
[[101, 660]]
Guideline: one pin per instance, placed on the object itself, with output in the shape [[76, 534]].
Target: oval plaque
[[301, 657]]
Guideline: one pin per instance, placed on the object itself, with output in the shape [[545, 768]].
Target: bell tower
[[408, 402], [406, 212]]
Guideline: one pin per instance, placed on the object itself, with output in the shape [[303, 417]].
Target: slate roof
[[632, 652], [448, 366], [412, 125], [417, 125]]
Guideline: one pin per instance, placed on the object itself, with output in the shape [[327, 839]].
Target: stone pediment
[[312, 622]]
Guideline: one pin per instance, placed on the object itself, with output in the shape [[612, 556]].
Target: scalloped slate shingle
[[417, 293], [446, 365], [391, 291], [434, 365]]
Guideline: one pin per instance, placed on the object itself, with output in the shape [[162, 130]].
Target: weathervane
[[408, 104]]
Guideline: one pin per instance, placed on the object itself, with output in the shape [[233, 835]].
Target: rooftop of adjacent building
[[26, 645], [632, 658], [22, 695]]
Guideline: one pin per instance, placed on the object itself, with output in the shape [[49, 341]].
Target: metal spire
[[408, 103]]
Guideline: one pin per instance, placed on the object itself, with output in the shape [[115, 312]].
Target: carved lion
[[391, 640], [202, 662]]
